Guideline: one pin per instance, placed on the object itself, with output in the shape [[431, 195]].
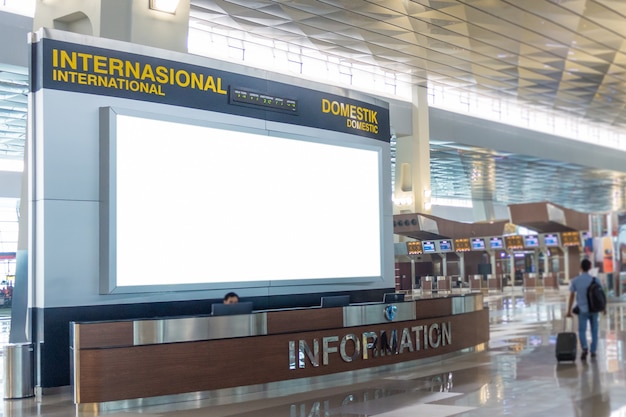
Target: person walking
[[578, 291]]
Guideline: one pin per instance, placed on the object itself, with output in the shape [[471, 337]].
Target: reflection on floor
[[517, 376]]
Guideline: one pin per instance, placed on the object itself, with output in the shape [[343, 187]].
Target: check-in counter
[[119, 363], [531, 281], [444, 284], [494, 282], [428, 284], [550, 281], [476, 282]]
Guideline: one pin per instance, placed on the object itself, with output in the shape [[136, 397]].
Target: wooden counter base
[[125, 372]]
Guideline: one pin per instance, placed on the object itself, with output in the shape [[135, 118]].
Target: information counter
[[118, 361]]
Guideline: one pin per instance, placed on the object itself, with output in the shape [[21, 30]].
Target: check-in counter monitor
[[445, 246], [478, 244], [335, 301], [221, 309], [428, 246], [496, 243], [550, 240], [393, 297], [531, 241]]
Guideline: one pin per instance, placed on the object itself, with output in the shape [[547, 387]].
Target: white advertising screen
[[196, 205]]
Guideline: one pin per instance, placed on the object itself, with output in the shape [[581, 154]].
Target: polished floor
[[516, 375]]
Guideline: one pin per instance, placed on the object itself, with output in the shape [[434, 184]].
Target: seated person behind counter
[[231, 306], [231, 298]]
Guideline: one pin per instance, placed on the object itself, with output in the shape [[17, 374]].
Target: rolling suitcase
[[566, 344]]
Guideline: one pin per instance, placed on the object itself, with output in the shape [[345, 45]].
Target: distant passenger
[[231, 298], [578, 292]]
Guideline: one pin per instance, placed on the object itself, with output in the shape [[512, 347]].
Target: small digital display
[[478, 244], [570, 238], [496, 243], [414, 248], [461, 245], [531, 241], [514, 242], [243, 96], [428, 246], [551, 240], [445, 246]]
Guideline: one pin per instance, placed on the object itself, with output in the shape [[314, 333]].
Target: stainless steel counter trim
[[467, 303], [273, 389], [191, 329], [75, 361], [375, 314]]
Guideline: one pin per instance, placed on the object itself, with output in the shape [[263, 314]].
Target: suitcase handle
[[568, 319]]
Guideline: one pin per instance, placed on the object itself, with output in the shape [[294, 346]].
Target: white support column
[[444, 264], [412, 192], [462, 266], [512, 267], [492, 259]]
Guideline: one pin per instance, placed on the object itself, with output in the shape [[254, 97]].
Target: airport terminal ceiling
[[567, 56], [465, 172]]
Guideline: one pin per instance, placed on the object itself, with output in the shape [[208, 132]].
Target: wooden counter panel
[[145, 371], [434, 307], [304, 320], [109, 334]]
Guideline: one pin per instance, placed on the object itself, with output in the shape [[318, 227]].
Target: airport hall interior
[[313, 208]]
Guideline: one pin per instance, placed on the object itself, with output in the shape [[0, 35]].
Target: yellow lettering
[[55, 57], [147, 73], [103, 81], [325, 106], [112, 83], [219, 86], [68, 60], [179, 76], [197, 81], [134, 85], [92, 79], [100, 64], [132, 68], [62, 76], [144, 87], [161, 74], [86, 58], [82, 78], [210, 84], [373, 117], [345, 109], [353, 111], [116, 66]]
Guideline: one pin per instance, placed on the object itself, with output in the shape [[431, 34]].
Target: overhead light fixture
[[166, 6]]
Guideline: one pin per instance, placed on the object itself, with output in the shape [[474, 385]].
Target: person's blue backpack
[[596, 299]]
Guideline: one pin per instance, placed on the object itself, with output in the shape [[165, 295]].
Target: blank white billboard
[[197, 205]]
